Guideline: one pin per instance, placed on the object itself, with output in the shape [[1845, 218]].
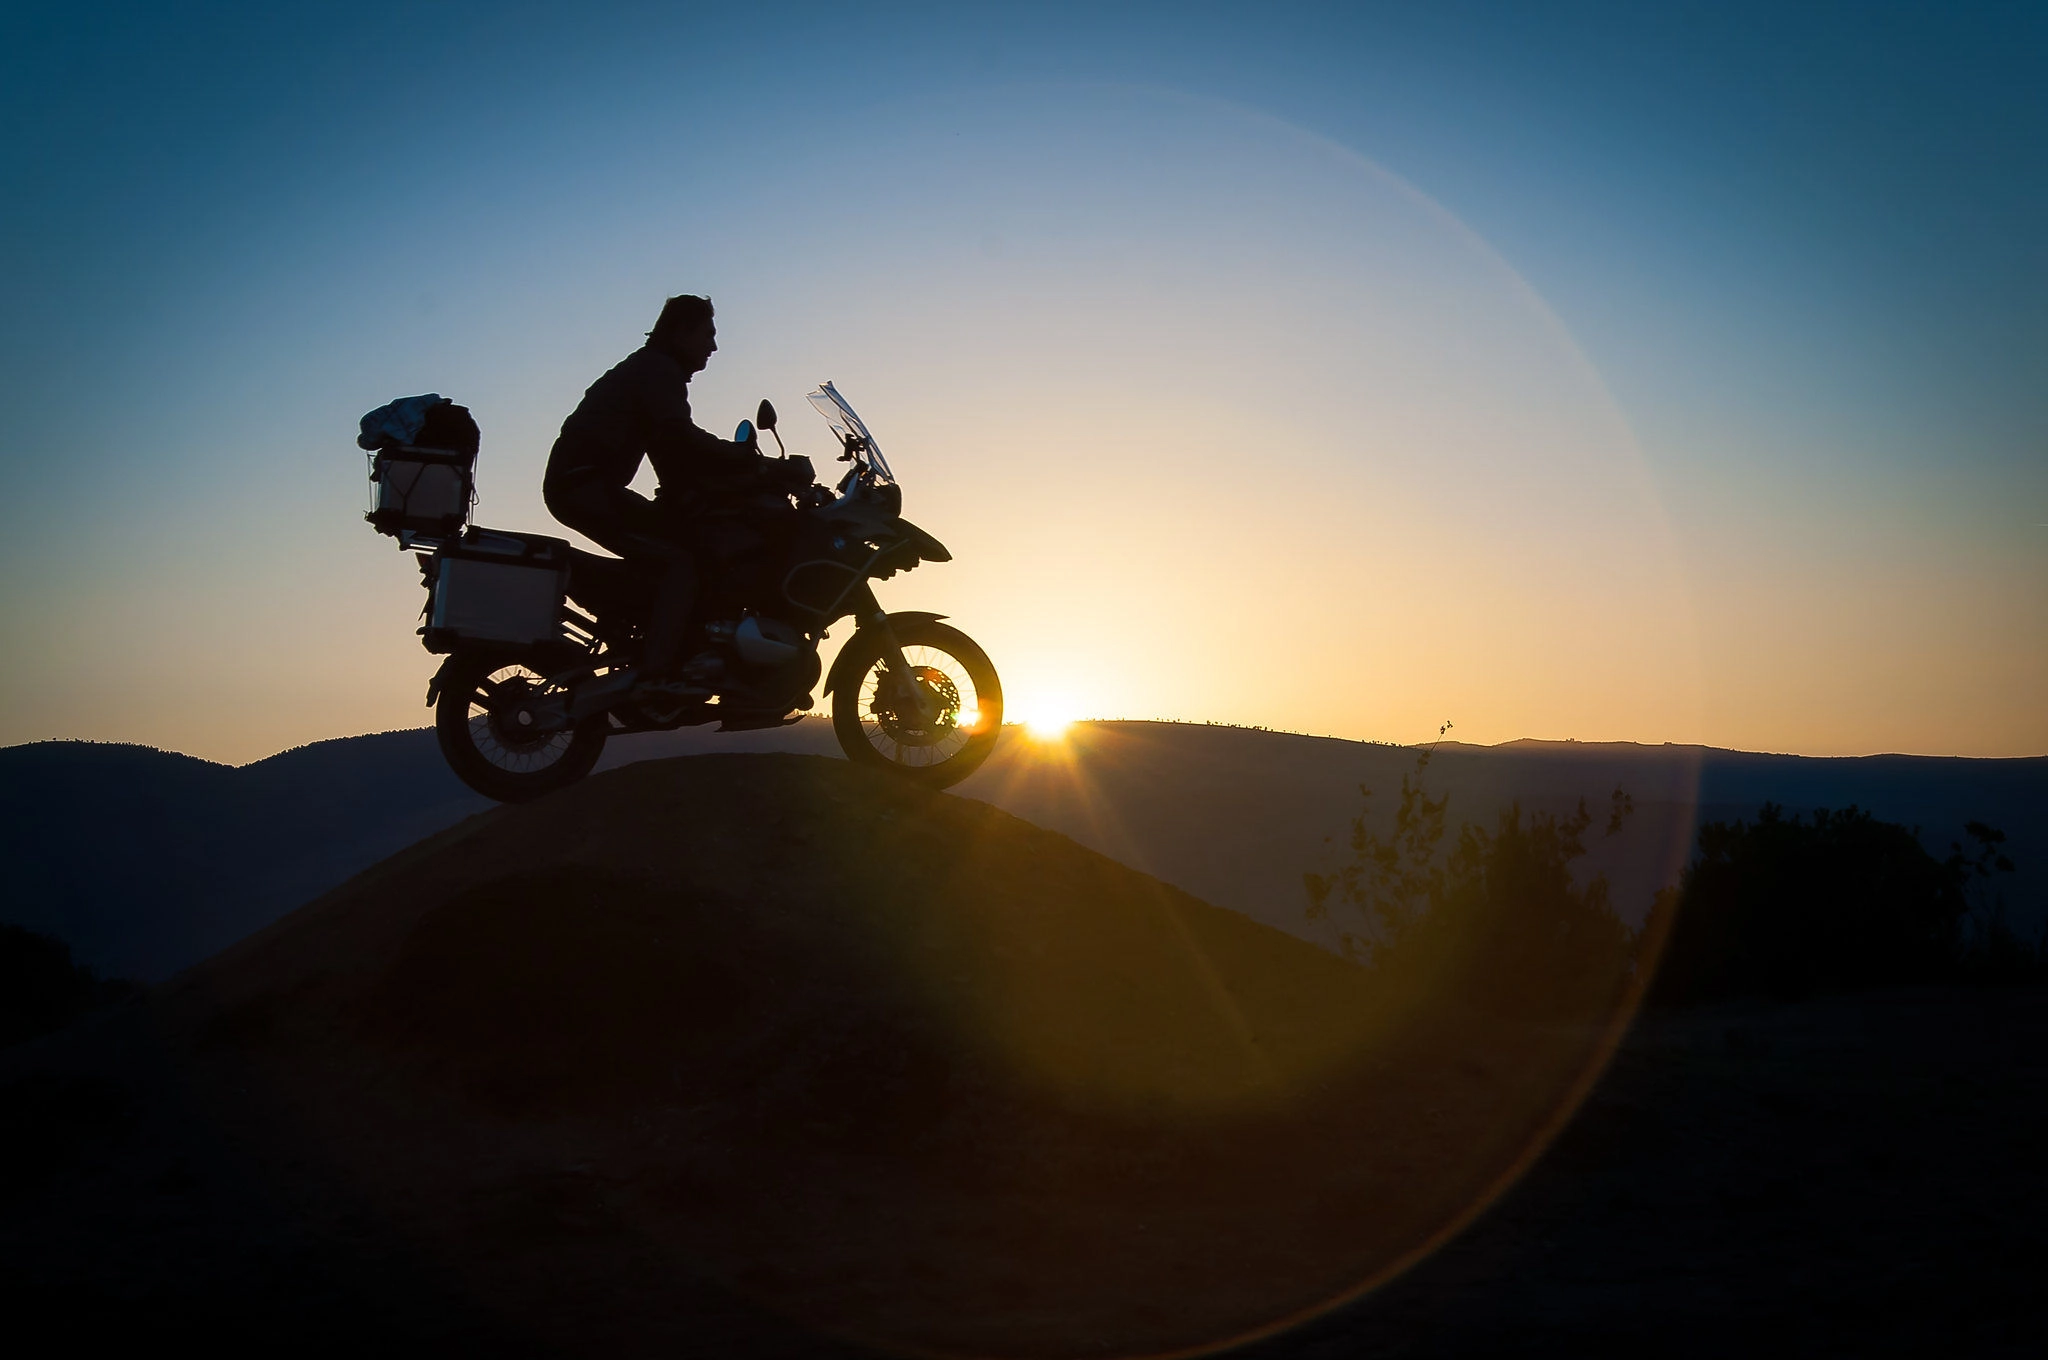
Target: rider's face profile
[[699, 345]]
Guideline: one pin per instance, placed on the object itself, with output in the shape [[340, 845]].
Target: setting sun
[[1046, 719]]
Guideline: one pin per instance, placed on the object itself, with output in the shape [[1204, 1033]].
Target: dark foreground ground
[[1847, 1176], [1859, 1176]]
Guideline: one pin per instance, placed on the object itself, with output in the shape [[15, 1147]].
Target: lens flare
[[1307, 455], [1047, 719], [1056, 1067]]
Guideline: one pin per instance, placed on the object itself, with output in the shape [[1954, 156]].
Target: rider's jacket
[[642, 407]]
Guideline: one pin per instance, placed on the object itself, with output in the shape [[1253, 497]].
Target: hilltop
[[778, 1041]]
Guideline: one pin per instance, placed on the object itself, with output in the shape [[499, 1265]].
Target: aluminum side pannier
[[497, 588]]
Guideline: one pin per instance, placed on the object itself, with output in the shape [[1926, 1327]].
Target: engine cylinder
[[767, 642]]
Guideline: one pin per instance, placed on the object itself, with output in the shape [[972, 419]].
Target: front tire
[[876, 728], [483, 750]]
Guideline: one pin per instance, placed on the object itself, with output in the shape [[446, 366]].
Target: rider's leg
[[607, 515], [627, 523], [673, 599]]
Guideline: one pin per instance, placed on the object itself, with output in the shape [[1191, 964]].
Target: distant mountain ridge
[[146, 861]]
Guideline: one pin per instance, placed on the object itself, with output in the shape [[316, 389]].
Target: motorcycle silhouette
[[543, 640]]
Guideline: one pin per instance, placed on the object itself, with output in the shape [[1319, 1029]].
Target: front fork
[[907, 695]]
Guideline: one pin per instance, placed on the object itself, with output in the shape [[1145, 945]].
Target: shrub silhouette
[[1497, 922], [41, 989], [1514, 932], [1779, 906], [1786, 906]]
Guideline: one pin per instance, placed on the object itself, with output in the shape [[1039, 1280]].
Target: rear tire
[[957, 677], [496, 762]]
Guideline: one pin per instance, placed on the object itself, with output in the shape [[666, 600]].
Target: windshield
[[849, 427]]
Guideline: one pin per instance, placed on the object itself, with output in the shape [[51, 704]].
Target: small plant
[[1991, 950], [1497, 921], [1391, 880]]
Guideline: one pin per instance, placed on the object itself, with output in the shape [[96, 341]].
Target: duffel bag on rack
[[422, 466]]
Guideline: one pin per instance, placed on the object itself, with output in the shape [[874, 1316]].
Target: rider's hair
[[680, 316]]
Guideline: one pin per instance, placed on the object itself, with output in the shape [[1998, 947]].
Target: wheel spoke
[[904, 739], [507, 751]]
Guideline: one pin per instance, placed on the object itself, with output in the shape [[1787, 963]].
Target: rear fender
[[567, 656], [441, 677], [841, 664]]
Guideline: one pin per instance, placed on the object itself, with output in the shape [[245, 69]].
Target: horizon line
[[1156, 722]]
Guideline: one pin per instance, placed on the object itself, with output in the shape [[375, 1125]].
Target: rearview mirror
[[765, 417], [744, 434]]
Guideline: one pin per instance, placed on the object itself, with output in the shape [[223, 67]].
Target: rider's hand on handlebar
[[795, 472]]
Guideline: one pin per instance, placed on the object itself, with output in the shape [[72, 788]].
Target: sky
[[1587, 371]]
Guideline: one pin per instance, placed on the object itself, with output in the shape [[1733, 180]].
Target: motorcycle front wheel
[[880, 724], [481, 743]]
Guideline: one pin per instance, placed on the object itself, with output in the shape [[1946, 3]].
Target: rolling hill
[[710, 1052], [147, 861]]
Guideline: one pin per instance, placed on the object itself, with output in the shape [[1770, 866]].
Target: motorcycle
[[544, 640]]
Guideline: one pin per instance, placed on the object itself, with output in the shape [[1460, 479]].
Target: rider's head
[[685, 332]]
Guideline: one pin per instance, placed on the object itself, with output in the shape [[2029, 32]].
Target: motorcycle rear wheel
[[957, 677], [483, 750]]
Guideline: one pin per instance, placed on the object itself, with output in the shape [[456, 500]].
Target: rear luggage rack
[[421, 497], [422, 469]]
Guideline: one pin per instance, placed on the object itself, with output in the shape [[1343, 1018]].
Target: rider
[[642, 408]]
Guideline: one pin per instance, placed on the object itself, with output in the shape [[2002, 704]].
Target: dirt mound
[[892, 1064]]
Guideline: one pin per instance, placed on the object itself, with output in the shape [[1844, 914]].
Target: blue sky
[[1803, 249]]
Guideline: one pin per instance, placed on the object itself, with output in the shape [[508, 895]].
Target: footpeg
[[753, 722], [671, 689], [705, 668]]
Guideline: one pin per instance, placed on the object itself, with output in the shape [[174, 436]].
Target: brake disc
[[939, 688]]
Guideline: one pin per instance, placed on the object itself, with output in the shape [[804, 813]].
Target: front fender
[[928, 549], [840, 664]]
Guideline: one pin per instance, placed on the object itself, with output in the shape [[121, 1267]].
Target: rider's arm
[[682, 453]]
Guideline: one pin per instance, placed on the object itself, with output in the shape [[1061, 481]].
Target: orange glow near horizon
[[1305, 455], [1045, 717]]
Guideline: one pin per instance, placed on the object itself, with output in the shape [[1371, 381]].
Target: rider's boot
[[673, 598], [706, 669], [662, 667]]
